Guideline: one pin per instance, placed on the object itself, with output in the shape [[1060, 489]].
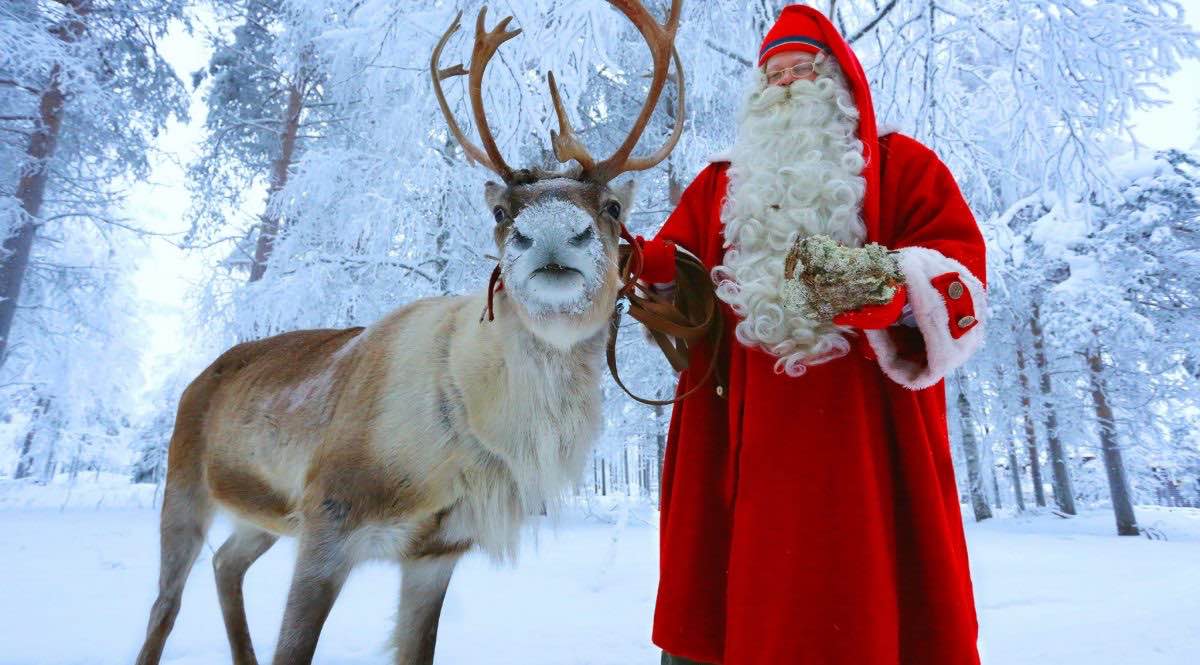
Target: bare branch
[[13, 84], [729, 54], [873, 22]]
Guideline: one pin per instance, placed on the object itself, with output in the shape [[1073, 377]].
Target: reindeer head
[[557, 232]]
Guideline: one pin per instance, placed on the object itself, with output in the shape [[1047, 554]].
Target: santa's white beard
[[796, 171]]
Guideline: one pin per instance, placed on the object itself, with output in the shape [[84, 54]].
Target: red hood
[[798, 26]]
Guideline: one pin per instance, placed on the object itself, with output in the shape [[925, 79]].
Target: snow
[[79, 576], [1061, 227]]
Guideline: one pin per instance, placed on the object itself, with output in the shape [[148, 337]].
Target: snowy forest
[[287, 160]]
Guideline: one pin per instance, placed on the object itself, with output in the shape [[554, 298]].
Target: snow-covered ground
[[77, 576]]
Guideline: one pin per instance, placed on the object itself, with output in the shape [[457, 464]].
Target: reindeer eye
[[582, 237], [521, 240], [500, 214], [613, 209]]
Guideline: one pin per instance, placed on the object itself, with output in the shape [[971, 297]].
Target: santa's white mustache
[[807, 101], [771, 95]]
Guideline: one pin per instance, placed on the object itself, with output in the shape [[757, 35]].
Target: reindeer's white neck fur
[[529, 438]]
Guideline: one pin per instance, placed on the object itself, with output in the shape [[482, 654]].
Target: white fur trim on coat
[[943, 353]]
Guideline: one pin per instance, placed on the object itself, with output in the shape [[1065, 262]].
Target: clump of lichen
[[824, 278]]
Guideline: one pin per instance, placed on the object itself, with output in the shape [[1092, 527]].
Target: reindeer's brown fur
[[426, 434], [401, 440]]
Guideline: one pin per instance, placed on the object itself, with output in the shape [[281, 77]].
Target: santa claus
[[809, 509]]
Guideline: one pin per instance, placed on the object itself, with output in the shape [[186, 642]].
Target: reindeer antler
[[566, 145], [486, 44], [661, 40]]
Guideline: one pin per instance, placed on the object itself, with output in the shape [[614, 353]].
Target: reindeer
[[432, 431]]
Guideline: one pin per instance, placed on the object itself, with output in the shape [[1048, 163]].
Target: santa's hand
[[872, 317]]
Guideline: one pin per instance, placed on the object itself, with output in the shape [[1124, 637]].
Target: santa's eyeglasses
[[800, 70]]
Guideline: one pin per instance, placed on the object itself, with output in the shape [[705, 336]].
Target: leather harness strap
[[693, 315]]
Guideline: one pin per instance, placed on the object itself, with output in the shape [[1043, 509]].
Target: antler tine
[[473, 152], [661, 40], [650, 161], [566, 145], [486, 44]]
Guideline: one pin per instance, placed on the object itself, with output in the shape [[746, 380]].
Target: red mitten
[[870, 317], [658, 260]]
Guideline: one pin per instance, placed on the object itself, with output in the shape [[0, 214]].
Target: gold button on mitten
[[823, 278]]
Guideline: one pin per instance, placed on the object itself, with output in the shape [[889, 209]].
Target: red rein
[[632, 272], [494, 285]]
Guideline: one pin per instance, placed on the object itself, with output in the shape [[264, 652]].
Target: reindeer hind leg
[[424, 582], [186, 515], [240, 551]]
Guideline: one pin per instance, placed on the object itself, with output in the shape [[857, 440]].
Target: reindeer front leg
[[423, 588], [321, 569]]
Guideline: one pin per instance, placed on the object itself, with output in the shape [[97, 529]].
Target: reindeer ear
[[625, 192], [495, 194]]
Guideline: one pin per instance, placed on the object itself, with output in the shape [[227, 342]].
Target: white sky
[[167, 275], [1176, 125]]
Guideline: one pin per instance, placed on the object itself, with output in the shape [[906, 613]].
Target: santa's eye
[[612, 209], [500, 214]]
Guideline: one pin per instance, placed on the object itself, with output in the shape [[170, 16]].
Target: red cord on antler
[[494, 285], [633, 269]]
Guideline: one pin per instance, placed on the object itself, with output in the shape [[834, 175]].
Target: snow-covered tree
[[83, 93]]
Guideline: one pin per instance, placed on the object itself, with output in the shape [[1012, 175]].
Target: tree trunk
[[625, 471], [675, 184], [1064, 492], [441, 263], [269, 226], [987, 460], [1114, 463], [30, 192], [995, 485], [1031, 447], [31, 189], [441, 241], [25, 461], [1015, 472], [51, 464], [660, 441], [764, 13], [971, 453]]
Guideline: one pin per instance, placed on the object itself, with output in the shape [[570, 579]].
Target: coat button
[[956, 290], [720, 391], [966, 321]]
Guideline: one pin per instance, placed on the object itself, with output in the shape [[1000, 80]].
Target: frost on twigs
[[823, 278]]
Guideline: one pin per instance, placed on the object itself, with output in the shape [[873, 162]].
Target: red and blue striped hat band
[[792, 43]]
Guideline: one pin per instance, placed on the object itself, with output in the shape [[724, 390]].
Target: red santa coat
[[815, 520]]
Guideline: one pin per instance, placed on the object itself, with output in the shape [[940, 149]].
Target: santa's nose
[[789, 77]]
